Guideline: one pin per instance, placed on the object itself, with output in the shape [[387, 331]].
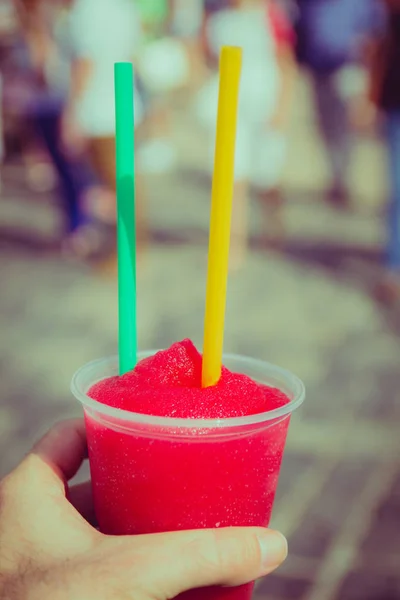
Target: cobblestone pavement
[[306, 308]]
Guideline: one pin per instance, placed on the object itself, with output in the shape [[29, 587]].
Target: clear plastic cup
[[153, 474]]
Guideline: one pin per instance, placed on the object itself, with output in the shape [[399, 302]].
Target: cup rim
[[294, 383]]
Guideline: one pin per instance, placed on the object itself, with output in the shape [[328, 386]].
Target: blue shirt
[[329, 31]]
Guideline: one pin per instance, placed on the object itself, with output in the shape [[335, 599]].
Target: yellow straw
[[221, 210]]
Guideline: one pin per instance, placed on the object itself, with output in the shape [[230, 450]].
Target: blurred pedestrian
[[384, 100], [186, 23], [1, 128], [7, 25], [331, 38], [48, 79], [164, 70], [100, 34], [263, 103], [271, 196]]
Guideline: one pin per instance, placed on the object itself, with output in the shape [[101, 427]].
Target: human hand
[[50, 551]]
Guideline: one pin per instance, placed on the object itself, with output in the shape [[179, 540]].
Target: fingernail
[[274, 550]]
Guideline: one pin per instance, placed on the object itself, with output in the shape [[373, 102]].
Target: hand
[[49, 550]]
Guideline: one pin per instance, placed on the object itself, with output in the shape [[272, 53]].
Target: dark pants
[[72, 176], [334, 125], [392, 130]]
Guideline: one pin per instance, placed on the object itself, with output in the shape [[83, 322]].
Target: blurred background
[[315, 262]]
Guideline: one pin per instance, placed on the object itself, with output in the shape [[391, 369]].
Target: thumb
[[185, 560]]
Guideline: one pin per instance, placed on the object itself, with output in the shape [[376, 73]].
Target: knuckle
[[206, 551], [249, 553], [223, 551], [234, 554]]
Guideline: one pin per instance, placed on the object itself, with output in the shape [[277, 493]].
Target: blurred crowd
[[57, 97]]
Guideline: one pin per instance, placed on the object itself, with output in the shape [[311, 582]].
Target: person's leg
[[333, 121], [48, 126], [102, 154], [269, 156], [273, 227], [240, 224], [388, 289], [393, 224], [240, 207], [39, 169], [1, 128]]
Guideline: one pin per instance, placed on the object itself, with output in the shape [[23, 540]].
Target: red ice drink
[[167, 455]]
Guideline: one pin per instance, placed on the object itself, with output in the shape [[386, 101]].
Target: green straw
[[127, 329]]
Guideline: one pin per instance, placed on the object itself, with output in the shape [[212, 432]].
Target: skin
[[49, 550], [270, 200]]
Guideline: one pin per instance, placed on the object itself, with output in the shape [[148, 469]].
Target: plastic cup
[[154, 474]]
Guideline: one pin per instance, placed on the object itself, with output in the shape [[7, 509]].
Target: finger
[[81, 498], [182, 561], [63, 448]]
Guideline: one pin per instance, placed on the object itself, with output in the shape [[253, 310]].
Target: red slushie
[[167, 455]]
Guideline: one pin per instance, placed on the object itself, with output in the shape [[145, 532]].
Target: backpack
[[328, 31]]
